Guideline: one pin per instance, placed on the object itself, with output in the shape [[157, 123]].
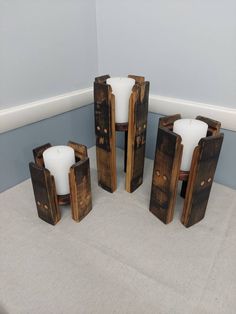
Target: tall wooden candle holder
[[197, 182], [47, 201], [135, 133]]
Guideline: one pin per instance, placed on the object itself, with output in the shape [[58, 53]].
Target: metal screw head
[[209, 180], [158, 173], [165, 178], [144, 126], [98, 128], [45, 206], [202, 183], [105, 130], [38, 203]]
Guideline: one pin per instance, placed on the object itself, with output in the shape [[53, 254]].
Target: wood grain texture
[[165, 174], [137, 128], [104, 111], [138, 79], [80, 187], [38, 154], [45, 194], [168, 121], [213, 125], [79, 149], [102, 79], [202, 171]]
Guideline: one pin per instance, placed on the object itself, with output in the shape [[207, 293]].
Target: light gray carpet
[[120, 258]]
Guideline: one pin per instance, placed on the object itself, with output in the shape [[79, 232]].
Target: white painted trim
[[190, 109], [18, 116]]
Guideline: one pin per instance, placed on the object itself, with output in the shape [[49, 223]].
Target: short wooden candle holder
[[197, 182], [135, 133], [47, 201]]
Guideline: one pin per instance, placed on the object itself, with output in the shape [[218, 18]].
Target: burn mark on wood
[[38, 154], [165, 174], [138, 111], [80, 186], [104, 113], [203, 167], [45, 194]]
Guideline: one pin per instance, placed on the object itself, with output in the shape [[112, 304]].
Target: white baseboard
[[189, 109], [18, 116]]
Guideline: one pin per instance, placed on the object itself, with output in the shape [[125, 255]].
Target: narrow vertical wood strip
[[104, 111], [137, 129], [165, 174], [80, 189], [131, 136], [190, 186]]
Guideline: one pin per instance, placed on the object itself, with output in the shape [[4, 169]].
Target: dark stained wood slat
[[168, 121], [213, 125], [38, 154], [79, 149], [165, 174], [204, 163], [80, 187], [138, 79], [137, 128], [104, 111], [45, 194], [121, 127], [102, 79]]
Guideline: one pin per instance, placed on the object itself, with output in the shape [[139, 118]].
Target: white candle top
[[191, 131], [121, 88], [59, 152], [58, 160]]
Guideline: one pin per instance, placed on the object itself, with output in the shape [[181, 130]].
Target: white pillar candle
[[121, 88], [191, 131], [58, 160]]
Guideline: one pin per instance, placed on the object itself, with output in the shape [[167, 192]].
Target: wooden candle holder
[[47, 201], [135, 133], [197, 182]]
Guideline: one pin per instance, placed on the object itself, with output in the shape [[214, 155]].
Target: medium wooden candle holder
[[197, 182], [135, 133], [47, 201]]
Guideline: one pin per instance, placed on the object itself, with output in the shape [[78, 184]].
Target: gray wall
[[46, 48], [16, 146], [186, 48]]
